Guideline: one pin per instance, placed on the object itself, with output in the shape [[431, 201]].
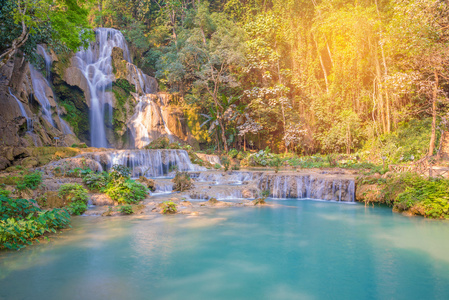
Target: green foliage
[[182, 182], [233, 153], [30, 181], [79, 145], [78, 172], [410, 142], [4, 192], [126, 191], [119, 172], [225, 161], [159, 143], [22, 221], [217, 166], [126, 209], [428, 196], [168, 207], [96, 181], [76, 197], [275, 162]]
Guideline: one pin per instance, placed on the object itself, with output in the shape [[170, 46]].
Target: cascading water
[[95, 64], [39, 88], [308, 186], [146, 117], [149, 163], [23, 111]]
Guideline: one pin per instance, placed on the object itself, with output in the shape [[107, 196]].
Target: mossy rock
[[30, 162]]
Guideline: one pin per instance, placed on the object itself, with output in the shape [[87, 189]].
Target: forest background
[[303, 76]]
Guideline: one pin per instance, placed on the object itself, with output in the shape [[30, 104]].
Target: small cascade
[[148, 163], [146, 121], [308, 186], [163, 188], [23, 112], [47, 59], [95, 64], [39, 87]]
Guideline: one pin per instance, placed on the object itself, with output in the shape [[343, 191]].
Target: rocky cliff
[[98, 93]]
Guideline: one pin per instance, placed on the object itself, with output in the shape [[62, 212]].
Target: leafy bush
[[275, 162], [76, 197], [126, 191], [30, 181], [119, 172], [96, 181], [225, 162], [235, 167], [429, 197], [160, 143], [4, 192], [78, 172], [217, 166], [126, 209], [182, 182], [233, 153], [168, 207], [22, 222]]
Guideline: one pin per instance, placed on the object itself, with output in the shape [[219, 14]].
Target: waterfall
[[308, 186], [149, 163], [146, 122], [23, 112], [47, 59], [95, 64], [39, 88]]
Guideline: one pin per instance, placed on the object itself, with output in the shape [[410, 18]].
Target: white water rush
[[95, 64]]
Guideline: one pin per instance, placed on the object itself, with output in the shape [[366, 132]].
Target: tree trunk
[[434, 115], [223, 137]]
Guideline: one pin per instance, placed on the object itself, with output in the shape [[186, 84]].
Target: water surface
[[302, 250]]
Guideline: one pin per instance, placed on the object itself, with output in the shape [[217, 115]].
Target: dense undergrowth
[[408, 192], [22, 222]]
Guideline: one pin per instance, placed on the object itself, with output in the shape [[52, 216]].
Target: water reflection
[[303, 250]]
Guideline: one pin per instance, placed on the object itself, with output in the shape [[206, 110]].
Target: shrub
[[217, 166], [4, 192], [160, 143], [96, 181], [126, 209], [119, 172], [427, 196], [233, 153], [22, 222], [76, 196], [30, 181], [127, 191], [259, 201], [225, 161], [182, 182], [235, 167], [78, 172], [275, 162], [168, 207]]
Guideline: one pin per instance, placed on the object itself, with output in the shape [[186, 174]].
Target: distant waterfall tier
[[308, 186], [149, 163], [95, 64]]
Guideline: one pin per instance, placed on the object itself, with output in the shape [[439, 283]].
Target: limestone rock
[[101, 200], [4, 163]]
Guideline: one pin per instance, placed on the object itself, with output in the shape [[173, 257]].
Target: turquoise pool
[[300, 250]]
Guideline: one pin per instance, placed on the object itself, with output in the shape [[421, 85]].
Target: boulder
[[30, 162], [149, 183], [101, 200], [4, 163]]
